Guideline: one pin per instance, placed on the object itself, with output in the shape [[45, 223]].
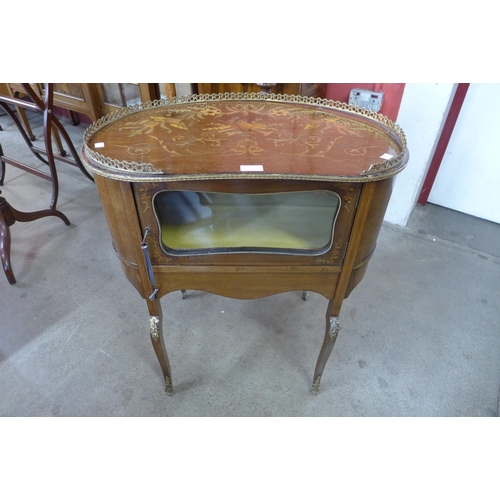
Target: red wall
[[393, 93]]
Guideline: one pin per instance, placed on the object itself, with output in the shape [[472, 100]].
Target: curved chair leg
[[8, 216], [5, 249], [26, 123], [157, 339], [57, 139], [31, 216], [332, 330], [2, 167]]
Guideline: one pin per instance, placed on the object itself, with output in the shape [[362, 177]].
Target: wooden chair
[[9, 215]]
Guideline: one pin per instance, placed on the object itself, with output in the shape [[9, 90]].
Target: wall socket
[[366, 99]]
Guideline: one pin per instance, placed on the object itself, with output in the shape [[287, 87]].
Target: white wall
[[423, 109], [469, 177]]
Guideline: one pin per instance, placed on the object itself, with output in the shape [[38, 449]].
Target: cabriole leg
[[156, 332], [332, 331]]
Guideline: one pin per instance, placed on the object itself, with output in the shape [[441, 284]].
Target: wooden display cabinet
[[244, 197]]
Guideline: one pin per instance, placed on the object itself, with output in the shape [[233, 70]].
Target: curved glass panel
[[291, 222]]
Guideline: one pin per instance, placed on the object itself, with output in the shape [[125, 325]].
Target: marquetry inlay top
[[253, 136]]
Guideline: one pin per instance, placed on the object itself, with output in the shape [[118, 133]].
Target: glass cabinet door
[[203, 222]]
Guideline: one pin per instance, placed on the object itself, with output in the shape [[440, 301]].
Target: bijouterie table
[[244, 195]]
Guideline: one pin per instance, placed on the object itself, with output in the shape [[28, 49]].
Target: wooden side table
[[244, 195]]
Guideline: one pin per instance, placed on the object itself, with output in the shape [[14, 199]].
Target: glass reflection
[[200, 222]]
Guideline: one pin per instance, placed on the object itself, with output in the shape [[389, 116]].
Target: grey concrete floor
[[419, 336]]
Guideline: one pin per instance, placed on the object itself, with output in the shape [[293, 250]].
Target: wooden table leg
[[8, 216], [331, 333], [157, 339]]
